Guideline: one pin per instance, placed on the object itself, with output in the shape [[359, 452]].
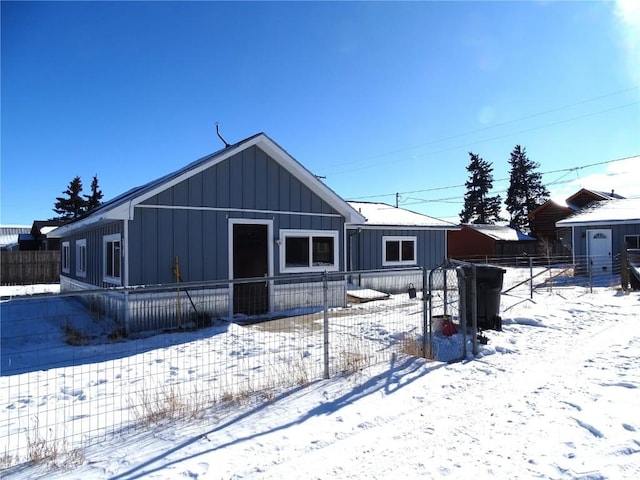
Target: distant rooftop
[[384, 214], [501, 232], [622, 210]]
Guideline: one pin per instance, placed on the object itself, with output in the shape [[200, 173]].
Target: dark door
[[250, 260]]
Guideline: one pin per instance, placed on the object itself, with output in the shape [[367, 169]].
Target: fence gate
[[448, 323]]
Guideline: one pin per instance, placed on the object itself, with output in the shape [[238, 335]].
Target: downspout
[[350, 250], [125, 276]]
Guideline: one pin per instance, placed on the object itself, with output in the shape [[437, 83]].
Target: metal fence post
[[531, 278], [426, 295], [325, 306], [462, 308]]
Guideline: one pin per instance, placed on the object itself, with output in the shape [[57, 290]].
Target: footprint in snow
[[593, 430], [201, 469]]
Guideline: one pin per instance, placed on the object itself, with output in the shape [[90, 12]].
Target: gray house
[[393, 238], [247, 211], [600, 232]]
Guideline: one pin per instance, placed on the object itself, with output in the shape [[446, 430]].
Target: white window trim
[[115, 237], [400, 239], [309, 234], [81, 244], [66, 257]]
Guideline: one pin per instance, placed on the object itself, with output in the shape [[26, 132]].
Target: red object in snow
[[449, 328]]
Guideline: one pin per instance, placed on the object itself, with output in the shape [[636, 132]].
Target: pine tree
[[526, 191], [72, 205], [95, 198], [478, 207]]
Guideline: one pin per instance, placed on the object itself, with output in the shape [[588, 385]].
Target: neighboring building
[[36, 238], [9, 235], [544, 218], [475, 242], [600, 232]]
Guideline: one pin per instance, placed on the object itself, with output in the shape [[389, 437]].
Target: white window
[[398, 251], [81, 258], [112, 254], [308, 251], [66, 257]]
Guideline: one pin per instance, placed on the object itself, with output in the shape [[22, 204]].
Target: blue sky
[[379, 98]]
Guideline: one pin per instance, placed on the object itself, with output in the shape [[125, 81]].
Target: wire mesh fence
[[78, 367]]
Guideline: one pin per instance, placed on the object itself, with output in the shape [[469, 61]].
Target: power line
[[455, 147], [562, 170], [501, 124]]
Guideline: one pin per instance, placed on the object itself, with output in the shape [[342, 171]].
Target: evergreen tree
[[95, 198], [526, 191], [478, 207], [72, 205]]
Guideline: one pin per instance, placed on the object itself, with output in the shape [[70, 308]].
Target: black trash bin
[[488, 289]]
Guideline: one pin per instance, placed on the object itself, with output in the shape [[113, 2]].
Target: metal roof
[[605, 212], [388, 215]]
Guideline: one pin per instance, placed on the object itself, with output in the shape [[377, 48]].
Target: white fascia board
[[307, 178], [597, 223], [355, 226], [280, 156], [190, 173], [73, 227], [124, 211]]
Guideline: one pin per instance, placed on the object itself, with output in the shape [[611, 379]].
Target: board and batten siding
[[366, 247], [190, 220], [95, 254], [618, 232]]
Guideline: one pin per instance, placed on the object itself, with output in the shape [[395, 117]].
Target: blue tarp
[[447, 349]]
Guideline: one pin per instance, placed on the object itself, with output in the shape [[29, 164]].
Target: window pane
[[393, 251], [116, 259], [83, 258], [632, 241], [407, 250], [109, 252], [322, 251], [296, 252]]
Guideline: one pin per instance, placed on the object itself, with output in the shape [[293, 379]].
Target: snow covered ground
[[555, 395]]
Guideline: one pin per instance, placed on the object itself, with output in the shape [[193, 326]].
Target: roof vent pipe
[[226, 145]]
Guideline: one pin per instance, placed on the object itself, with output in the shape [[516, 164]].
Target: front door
[[250, 260], [599, 250]]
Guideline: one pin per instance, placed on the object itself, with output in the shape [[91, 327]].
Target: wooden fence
[[29, 267]]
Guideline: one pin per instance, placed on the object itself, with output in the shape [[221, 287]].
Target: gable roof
[[382, 214], [121, 207], [585, 196], [9, 234], [549, 204], [606, 212], [501, 232]]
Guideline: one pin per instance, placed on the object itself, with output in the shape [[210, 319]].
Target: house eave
[[274, 151], [90, 221], [380, 226], [597, 223]]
